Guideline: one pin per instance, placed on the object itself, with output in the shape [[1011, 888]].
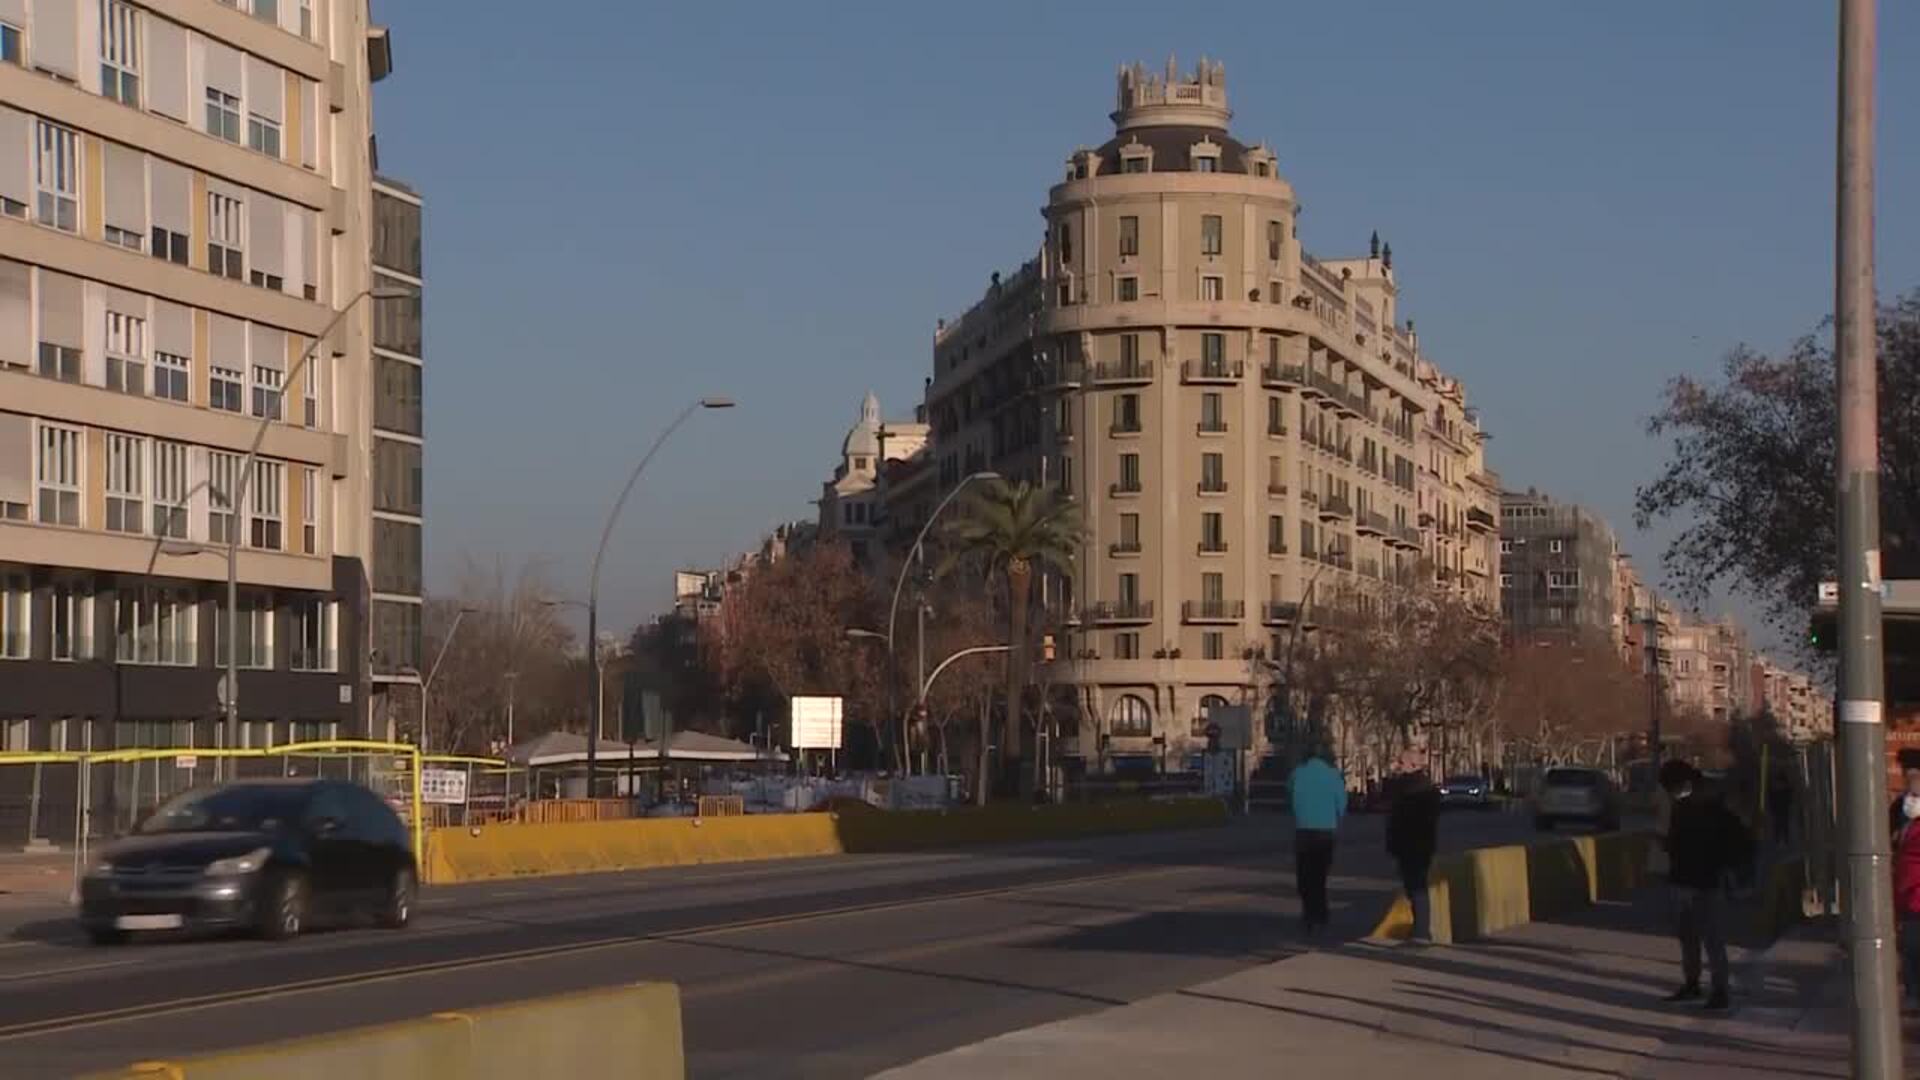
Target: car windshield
[[1582, 778], [240, 808], [1463, 781]]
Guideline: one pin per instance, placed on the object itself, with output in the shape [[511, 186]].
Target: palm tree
[[1014, 528]]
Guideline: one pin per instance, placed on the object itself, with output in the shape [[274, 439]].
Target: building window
[[306, 19], [72, 611], [120, 52], [1213, 414], [223, 115], [1129, 533], [126, 353], [266, 391], [263, 135], [1212, 287], [1276, 415], [1556, 547], [1213, 645], [309, 510], [170, 488], [57, 491], [1506, 547], [1213, 591], [1563, 579], [1213, 532], [224, 388], [224, 223], [1126, 413], [125, 238], [1276, 534], [1127, 289], [1130, 354], [126, 483], [1129, 235], [170, 246], [1129, 598], [255, 643], [266, 502], [1213, 355], [1134, 164], [1063, 241], [310, 396], [1273, 292], [1506, 581], [154, 626], [1126, 646], [1131, 717], [59, 362], [313, 622], [170, 376], [1213, 472], [1276, 240], [56, 171], [267, 11], [1206, 163], [16, 606], [223, 476], [9, 44], [1211, 233], [1129, 473]]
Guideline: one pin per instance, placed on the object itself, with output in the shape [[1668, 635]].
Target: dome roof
[[863, 440], [1170, 145]]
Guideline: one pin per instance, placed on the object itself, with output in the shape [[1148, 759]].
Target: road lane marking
[[18, 976], [52, 1025]]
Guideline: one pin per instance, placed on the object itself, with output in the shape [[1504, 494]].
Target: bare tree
[[1564, 700]]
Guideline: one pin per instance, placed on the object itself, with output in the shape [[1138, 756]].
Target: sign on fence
[[445, 787], [816, 723]]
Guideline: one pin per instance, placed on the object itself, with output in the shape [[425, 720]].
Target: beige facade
[[853, 505], [187, 199], [1246, 428]]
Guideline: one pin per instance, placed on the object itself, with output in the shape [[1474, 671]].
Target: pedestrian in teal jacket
[[1319, 795]]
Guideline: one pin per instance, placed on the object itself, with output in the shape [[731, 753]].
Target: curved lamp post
[[593, 584]]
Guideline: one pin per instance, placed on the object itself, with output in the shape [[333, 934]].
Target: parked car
[[1578, 795], [269, 856], [1466, 792]]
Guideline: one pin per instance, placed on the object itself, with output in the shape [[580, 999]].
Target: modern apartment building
[[188, 202], [1557, 570], [1247, 429]]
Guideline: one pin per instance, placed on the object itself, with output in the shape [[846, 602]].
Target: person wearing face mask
[[1906, 894], [1910, 772]]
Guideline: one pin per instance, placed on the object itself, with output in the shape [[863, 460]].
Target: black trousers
[[1312, 861]]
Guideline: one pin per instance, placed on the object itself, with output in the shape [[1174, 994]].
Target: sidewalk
[[37, 878], [1579, 997]]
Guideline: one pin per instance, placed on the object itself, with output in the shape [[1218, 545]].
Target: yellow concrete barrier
[[1477, 893], [488, 852], [625, 1033]]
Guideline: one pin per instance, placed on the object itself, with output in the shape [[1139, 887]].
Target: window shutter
[[60, 310], [16, 458], [16, 158], [172, 197], [266, 89], [266, 234], [309, 124], [269, 347], [165, 61], [14, 11], [16, 293], [298, 237], [56, 36], [126, 180], [172, 328], [227, 339], [220, 66]]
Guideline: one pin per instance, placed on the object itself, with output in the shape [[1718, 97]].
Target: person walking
[[1319, 796], [1413, 834], [1706, 845]]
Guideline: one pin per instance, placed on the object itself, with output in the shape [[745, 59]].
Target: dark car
[[1466, 792], [1577, 795], [269, 856]]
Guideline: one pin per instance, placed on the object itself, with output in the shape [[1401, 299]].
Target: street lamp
[[924, 685], [915, 555], [426, 684], [239, 497], [593, 584]]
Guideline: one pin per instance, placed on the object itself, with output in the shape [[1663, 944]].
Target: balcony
[[1341, 559], [1117, 372], [1212, 547], [1276, 612], [1216, 426], [1121, 489], [1370, 523], [1333, 506], [1480, 520], [1119, 611], [1063, 375], [1370, 568], [1213, 611], [1276, 487], [1284, 376], [1400, 427], [1217, 486], [1311, 498], [1212, 372], [1124, 427], [1277, 429], [1405, 536], [1276, 547], [1123, 548]]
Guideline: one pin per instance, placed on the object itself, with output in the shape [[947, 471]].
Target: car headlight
[[239, 864], [100, 868]]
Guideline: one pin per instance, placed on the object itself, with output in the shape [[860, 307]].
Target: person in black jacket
[[1413, 832], [1706, 845]]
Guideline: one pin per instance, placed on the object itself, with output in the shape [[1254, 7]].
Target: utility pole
[[1867, 899]]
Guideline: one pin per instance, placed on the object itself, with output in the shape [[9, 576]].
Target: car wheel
[[106, 935], [283, 908], [397, 911]]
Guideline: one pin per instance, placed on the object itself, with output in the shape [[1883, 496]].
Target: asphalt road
[[807, 968]]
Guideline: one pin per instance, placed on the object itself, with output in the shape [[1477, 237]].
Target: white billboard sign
[[816, 723], [445, 787]]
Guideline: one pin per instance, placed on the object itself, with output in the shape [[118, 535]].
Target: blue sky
[[638, 204]]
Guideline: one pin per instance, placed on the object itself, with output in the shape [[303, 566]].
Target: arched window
[[1207, 705], [1131, 716]]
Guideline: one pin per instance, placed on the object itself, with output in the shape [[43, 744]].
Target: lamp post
[[426, 684], [915, 555], [924, 685], [239, 497], [593, 583]]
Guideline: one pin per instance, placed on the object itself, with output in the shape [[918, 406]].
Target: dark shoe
[[1718, 1002], [1689, 992]]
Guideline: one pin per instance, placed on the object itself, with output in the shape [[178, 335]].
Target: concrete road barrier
[[626, 1033], [489, 852], [1478, 893]]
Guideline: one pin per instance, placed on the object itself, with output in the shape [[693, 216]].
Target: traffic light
[[1823, 631]]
